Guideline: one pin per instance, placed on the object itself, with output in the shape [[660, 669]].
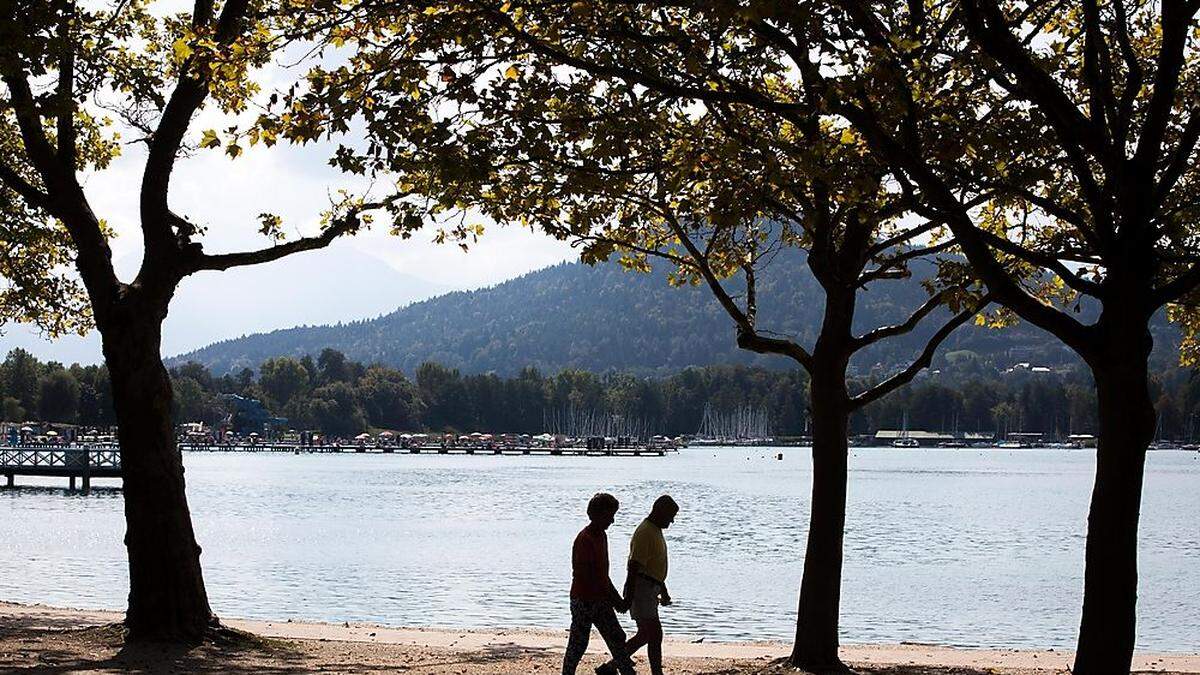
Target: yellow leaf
[[512, 73], [181, 49], [209, 139]]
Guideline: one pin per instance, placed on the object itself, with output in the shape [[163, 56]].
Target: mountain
[[604, 318], [211, 306]]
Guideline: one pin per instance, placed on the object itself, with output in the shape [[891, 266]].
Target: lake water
[[960, 547]]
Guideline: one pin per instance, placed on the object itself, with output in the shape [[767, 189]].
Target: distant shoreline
[[34, 635]]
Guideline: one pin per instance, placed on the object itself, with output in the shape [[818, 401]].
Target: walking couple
[[594, 599]]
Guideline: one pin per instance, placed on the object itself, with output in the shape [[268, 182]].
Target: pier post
[[9, 478], [87, 471], [72, 483]]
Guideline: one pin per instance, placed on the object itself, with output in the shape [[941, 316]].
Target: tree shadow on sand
[[41, 649]]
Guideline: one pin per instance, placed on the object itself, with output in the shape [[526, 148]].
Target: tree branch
[[1003, 287], [66, 92], [633, 75], [189, 93], [224, 261], [1048, 261], [747, 335], [1176, 23], [886, 267], [1180, 159], [1176, 288], [922, 362], [884, 332], [29, 122], [64, 198], [15, 182]]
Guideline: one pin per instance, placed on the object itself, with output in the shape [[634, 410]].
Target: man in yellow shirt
[[646, 583]]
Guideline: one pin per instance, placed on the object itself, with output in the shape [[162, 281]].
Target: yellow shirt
[[648, 548]]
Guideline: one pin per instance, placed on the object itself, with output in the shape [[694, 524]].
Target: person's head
[[602, 509], [664, 511]]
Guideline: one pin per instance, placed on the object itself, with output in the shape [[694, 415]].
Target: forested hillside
[[604, 318]]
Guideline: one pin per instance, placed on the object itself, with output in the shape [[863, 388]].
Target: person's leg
[[605, 620], [654, 640], [638, 640], [581, 630]]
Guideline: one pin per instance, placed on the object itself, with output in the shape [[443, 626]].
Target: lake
[[959, 547]]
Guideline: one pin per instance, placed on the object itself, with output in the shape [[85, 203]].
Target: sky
[[357, 277]]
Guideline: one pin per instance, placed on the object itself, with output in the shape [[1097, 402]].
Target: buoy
[[779, 456]]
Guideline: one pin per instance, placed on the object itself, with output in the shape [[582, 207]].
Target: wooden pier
[[81, 463], [630, 451]]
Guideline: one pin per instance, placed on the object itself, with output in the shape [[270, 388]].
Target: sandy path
[[50, 639]]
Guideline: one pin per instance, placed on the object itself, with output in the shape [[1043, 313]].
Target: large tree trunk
[[167, 599], [816, 647], [1127, 419]]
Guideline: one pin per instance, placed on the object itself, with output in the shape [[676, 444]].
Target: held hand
[[623, 606], [664, 599]]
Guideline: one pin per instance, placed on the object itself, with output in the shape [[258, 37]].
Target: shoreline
[[309, 646]]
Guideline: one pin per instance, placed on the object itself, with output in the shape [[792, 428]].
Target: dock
[[81, 463], [76, 463], [569, 451]]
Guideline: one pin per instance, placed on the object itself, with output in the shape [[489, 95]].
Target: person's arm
[[664, 598], [619, 602]]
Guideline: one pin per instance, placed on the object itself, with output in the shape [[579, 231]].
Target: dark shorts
[[643, 600]]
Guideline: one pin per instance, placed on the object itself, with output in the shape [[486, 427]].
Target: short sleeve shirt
[[648, 548]]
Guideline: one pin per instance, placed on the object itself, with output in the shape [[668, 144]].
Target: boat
[[905, 441]]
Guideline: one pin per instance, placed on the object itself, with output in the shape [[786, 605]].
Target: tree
[[389, 399], [333, 367], [19, 375], [1080, 119], [11, 410], [585, 139], [443, 393], [1056, 141], [336, 411], [282, 378], [58, 397], [67, 70]]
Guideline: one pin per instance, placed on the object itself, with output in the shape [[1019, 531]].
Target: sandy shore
[[54, 640]]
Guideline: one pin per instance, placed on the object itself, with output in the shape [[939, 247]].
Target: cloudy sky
[[358, 277]]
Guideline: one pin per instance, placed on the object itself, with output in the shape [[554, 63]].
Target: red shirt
[[589, 565]]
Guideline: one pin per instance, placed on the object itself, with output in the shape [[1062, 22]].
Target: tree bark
[[167, 598], [1107, 629], [817, 644], [817, 621]]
